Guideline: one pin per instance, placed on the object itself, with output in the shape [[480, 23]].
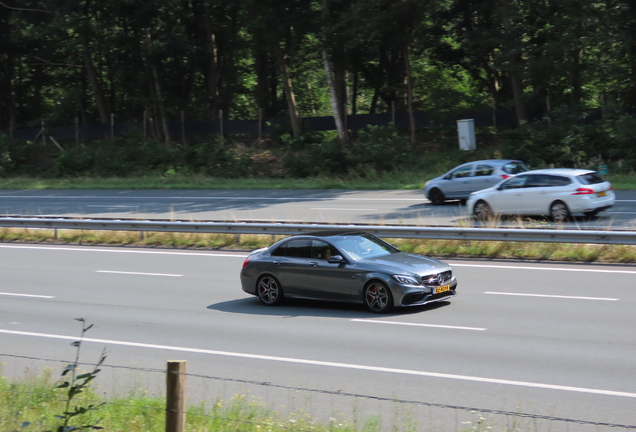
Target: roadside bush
[[569, 138], [219, 158], [14, 155]]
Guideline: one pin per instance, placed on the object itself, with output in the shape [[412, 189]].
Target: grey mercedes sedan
[[346, 266]]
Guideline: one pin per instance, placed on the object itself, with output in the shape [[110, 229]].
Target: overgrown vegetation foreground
[[437, 248]]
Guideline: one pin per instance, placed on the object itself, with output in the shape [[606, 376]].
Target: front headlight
[[427, 183], [405, 280]]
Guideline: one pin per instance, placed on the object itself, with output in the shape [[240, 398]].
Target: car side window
[[559, 181], [321, 250], [538, 180], [280, 250], [484, 170], [298, 248], [515, 182], [462, 172]]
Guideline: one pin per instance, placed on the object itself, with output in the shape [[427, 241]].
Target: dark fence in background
[[206, 129]]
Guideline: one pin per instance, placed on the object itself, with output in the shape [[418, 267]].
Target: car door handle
[[277, 262], [313, 264]]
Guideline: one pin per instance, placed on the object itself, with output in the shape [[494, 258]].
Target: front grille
[[432, 280]]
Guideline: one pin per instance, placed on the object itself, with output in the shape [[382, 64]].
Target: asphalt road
[[394, 207], [545, 339]]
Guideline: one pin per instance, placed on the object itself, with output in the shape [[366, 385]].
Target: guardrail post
[[175, 396]]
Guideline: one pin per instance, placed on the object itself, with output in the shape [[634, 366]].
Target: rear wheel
[[559, 211], [377, 297], [482, 211], [269, 290], [436, 196]]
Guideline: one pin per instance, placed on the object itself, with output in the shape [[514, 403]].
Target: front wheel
[[377, 297], [482, 211], [436, 196], [559, 211], [269, 291]]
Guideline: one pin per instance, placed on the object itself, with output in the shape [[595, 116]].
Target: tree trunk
[[336, 104], [212, 70], [515, 63], [294, 115], [158, 94], [409, 92], [91, 72], [262, 78]]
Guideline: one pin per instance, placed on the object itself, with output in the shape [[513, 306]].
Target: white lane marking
[[88, 249], [114, 206], [418, 325], [342, 209], [544, 268], [552, 296], [617, 212], [271, 220], [136, 273], [625, 201], [27, 295], [335, 365]]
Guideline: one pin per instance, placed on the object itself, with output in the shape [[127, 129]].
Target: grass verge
[[437, 248], [33, 403], [369, 181]]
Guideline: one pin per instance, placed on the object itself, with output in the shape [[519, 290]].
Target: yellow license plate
[[442, 289], [601, 194]]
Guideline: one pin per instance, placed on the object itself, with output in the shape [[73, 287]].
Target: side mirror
[[335, 259]]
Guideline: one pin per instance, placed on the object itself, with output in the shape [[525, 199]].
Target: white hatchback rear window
[[591, 178]]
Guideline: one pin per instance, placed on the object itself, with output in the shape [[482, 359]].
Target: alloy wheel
[[269, 291], [377, 297], [482, 211], [559, 211]]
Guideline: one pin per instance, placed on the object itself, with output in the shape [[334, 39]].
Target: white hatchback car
[[558, 193]]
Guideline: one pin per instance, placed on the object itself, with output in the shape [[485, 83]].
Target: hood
[[405, 262]]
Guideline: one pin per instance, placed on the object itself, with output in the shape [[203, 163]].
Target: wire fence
[[259, 405], [204, 129]]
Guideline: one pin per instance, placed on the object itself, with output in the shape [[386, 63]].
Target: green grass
[[32, 404], [368, 181]]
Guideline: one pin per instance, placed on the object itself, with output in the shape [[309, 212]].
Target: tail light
[[583, 191], [505, 176], [246, 262]]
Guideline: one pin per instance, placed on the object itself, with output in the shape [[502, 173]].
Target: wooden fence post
[[112, 126], [221, 123], [183, 127], [260, 124], [176, 396]]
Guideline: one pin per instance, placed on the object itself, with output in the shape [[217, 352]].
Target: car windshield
[[363, 246], [515, 167]]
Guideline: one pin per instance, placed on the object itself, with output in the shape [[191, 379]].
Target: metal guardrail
[[413, 232]]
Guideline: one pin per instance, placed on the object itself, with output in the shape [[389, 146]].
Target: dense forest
[[566, 68]]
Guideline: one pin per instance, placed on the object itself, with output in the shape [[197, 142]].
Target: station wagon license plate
[[601, 194], [441, 289]]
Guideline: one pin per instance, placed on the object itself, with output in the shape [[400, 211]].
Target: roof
[[563, 171]]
